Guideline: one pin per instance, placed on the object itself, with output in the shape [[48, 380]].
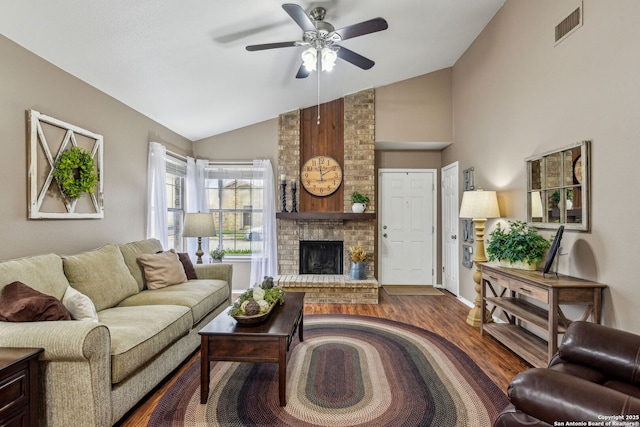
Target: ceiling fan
[[321, 37]]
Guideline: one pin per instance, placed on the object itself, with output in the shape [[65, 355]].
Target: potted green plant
[[217, 254], [359, 201], [518, 247], [569, 196]]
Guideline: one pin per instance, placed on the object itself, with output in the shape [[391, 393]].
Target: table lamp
[[199, 225], [478, 206]]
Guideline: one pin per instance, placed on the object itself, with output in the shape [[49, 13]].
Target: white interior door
[[407, 226], [450, 223]]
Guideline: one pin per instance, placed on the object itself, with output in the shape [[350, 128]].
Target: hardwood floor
[[444, 315]]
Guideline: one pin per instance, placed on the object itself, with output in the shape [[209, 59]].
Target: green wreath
[[75, 172]]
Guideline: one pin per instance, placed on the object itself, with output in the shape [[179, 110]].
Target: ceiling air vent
[[569, 24]]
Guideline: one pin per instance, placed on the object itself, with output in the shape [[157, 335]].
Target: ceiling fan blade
[[298, 14], [254, 47], [303, 73], [355, 58], [366, 27]]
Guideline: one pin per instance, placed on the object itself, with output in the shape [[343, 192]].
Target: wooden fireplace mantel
[[349, 216]]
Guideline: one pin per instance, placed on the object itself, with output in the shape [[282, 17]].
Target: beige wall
[[408, 159], [29, 82], [515, 95], [416, 110], [258, 141]]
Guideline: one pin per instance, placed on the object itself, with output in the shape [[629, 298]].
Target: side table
[[19, 388]]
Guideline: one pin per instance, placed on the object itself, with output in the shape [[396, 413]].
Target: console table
[[516, 292], [19, 389]]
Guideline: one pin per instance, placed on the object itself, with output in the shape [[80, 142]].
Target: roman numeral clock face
[[321, 175]]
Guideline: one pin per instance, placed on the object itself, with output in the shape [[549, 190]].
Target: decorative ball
[[264, 306], [252, 308]]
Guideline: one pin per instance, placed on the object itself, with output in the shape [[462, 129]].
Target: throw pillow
[[79, 305], [162, 270], [21, 303], [188, 265]]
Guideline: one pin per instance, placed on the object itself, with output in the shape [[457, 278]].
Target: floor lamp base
[[475, 317]]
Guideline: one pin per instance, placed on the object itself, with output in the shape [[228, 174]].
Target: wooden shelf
[[530, 347], [345, 216], [525, 311], [550, 291]]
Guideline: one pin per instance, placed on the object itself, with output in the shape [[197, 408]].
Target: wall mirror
[[558, 188]]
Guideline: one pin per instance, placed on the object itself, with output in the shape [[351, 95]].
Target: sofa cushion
[[201, 296], [162, 269], [101, 275], [20, 303], [79, 305], [139, 335], [43, 273], [131, 251]]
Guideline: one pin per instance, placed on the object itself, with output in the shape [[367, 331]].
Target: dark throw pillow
[[188, 265], [20, 303]]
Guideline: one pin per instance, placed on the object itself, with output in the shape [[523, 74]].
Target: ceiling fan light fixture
[[321, 37], [329, 57], [309, 57]]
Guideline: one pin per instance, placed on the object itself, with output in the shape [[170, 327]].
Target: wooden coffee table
[[224, 339]]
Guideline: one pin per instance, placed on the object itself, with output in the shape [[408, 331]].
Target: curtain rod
[[176, 155], [225, 162], [238, 162]]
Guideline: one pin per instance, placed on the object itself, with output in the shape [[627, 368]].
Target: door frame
[[453, 165], [434, 244]]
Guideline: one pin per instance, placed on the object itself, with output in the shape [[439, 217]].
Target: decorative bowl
[[256, 318]]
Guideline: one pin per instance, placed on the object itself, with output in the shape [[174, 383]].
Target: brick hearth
[[331, 288]]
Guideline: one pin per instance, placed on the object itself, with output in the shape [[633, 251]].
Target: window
[[235, 199], [175, 185]]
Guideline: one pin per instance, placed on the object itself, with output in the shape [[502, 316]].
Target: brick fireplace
[[359, 174]]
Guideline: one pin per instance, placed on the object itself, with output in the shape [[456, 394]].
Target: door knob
[[454, 237], [384, 235], [384, 227]]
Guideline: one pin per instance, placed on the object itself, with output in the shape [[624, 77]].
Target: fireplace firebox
[[321, 257]]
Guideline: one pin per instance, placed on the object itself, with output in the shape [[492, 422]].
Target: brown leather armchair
[[594, 377]]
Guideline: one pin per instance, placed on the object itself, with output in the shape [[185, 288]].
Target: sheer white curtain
[[264, 252], [196, 200], [157, 194]]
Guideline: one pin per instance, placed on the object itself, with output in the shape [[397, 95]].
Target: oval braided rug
[[348, 371]]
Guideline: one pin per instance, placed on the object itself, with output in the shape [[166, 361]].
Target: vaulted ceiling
[[184, 63]]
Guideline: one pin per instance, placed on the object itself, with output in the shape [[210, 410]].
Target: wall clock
[[577, 170], [321, 175]]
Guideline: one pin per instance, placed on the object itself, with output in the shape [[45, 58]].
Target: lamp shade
[[309, 58], [199, 225], [479, 204], [328, 59]]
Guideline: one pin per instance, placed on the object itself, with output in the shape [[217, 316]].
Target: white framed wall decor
[[73, 188]]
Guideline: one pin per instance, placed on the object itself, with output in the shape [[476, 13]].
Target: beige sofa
[[93, 372]]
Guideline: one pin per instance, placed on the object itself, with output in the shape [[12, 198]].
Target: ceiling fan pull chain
[[318, 68]]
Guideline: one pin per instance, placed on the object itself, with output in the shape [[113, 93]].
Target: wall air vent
[[569, 25]]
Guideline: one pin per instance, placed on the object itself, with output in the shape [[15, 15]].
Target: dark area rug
[[348, 371]]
